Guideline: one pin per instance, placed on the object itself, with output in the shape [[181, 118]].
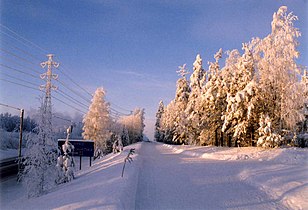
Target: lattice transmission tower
[[48, 76]]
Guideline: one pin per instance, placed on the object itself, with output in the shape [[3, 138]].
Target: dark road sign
[[82, 147]]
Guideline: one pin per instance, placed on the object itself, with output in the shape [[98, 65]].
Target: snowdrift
[[97, 187], [282, 172]]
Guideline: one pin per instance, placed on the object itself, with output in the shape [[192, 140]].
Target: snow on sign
[[82, 147]]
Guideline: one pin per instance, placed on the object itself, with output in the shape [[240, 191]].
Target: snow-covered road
[[175, 181], [178, 177]]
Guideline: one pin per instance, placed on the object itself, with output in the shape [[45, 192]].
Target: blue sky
[[131, 48]]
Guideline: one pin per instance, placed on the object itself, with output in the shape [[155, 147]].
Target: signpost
[[82, 148]]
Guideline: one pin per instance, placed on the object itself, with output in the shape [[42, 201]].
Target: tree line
[[11, 123], [259, 96]]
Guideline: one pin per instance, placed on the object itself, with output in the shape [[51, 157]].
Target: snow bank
[[233, 153], [285, 178], [96, 187], [282, 172]]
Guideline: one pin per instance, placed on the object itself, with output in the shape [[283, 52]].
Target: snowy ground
[[180, 177], [280, 173]]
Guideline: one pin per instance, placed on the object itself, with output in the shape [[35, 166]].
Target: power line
[[55, 116], [43, 50], [21, 37], [64, 96], [91, 94], [87, 92], [76, 93], [42, 91], [33, 89], [116, 111], [68, 105], [9, 106], [87, 106], [17, 70], [12, 77], [16, 83], [16, 63], [23, 51], [120, 107], [16, 56]]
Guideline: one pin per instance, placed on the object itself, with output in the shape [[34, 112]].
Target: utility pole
[[20, 130], [20, 133]]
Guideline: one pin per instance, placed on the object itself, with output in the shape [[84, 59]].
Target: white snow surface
[[179, 177]]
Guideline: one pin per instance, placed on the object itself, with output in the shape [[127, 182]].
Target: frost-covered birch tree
[[97, 121], [279, 73]]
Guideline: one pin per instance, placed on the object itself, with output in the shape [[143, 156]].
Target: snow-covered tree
[[158, 135], [181, 134], [138, 125], [97, 121], [265, 79], [304, 82], [279, 73], [65, 163], [167, 122], [125, 136], [241, 101], [134, 124], [197, 79], [117, 144], [212, 104], [267, 139], [40, 159]]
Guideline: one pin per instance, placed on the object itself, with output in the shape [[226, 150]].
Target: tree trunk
[[229, 140], [221, 138], [216, 138]]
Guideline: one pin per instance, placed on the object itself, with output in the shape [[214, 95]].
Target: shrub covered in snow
[[267, 139], [117, 144], [65, 163]]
